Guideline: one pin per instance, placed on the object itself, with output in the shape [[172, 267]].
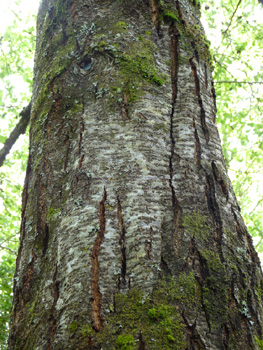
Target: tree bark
[[131, 236]]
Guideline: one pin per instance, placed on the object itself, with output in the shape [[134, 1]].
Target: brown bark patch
[[155, 14], [96, 299]]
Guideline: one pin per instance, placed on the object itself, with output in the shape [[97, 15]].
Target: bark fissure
[[124, 107], [45, 240], [155, 14], [95, 289], [67, 152], [149, 244], [194, 339], [122, 279], [220, 180], [200, 101], [174, 53], [141, 342], [214, 211], [198, 149]]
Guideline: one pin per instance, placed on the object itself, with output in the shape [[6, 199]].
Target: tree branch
[[238, 82], [232, 17], [19, 129]]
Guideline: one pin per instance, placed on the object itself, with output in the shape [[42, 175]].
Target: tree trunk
[[131, 236]]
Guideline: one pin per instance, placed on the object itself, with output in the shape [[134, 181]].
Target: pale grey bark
[[126, 183]]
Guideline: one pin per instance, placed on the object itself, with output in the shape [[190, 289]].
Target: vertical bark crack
[[155, 14], [95, 289], [67, 152], [174, 52], [214, 211], [122, 279], [220, 180], [198, 149], [200, 101], [149, 244], [124, 107], [194, 340]]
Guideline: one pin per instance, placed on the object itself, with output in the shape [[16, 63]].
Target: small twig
[[238, 82], [19, 129], [232, 17], [9, 249]]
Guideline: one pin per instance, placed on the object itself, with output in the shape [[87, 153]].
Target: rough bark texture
[[131, 236]]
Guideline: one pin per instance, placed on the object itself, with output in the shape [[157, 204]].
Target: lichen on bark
[[131, 236]]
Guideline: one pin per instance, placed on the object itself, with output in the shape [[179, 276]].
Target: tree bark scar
[[220, 180], [214, 211], [174, 52], [198, 149], [73, 10], [96, 299], [155, 14], [124, 107], [198, 94], [122, 279]]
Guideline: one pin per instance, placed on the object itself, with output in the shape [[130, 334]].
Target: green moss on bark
[[214, 289]]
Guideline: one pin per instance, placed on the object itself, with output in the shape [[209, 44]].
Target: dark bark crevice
[[214, 212], [124, 107], [149, 244], [200, 101], [45, 240], [198, 149], [193, 338], [214, 100], [95, 289], [174, 53], [66, 142], [141, 342], [155, 15], [220, 180], [122, 279]]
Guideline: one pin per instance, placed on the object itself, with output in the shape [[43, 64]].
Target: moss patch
[[153, 320], [196, 225], [214, 289]]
